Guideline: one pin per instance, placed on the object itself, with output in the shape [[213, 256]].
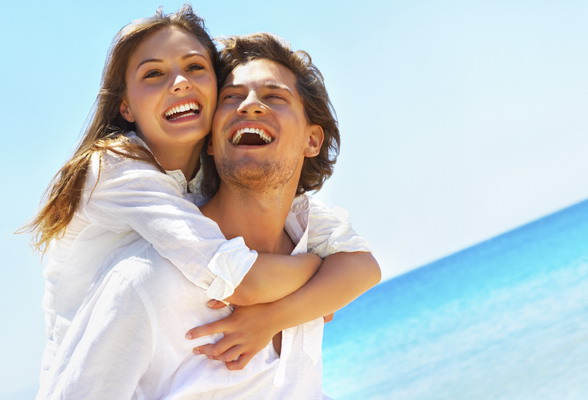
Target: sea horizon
[[503, 319]]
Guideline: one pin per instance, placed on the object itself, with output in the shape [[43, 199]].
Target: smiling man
[[274, 133]]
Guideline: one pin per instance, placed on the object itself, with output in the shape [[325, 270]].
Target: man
[[271, 121], [268, 147]]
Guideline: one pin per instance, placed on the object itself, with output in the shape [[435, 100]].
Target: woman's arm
[[122, 194], [274, 276], [329, 232], [341, 278]]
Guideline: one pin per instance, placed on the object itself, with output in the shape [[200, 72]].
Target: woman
[[121, 185]]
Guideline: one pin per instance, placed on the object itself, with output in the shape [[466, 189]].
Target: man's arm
[[341, 278]]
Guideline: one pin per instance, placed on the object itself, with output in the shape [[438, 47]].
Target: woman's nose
[[180, 83]]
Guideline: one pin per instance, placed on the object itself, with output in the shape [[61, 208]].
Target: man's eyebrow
[[267, 84], [184, 57], [231, 86], [276, 85]]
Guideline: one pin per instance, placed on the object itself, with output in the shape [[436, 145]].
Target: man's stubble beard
[[256, 177]]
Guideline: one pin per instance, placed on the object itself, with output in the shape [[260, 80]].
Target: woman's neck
[[178, 156]]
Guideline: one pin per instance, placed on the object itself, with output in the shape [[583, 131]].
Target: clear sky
[[460, 120]]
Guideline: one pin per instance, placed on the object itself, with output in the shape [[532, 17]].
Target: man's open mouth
[[182, 110], [251, 137]]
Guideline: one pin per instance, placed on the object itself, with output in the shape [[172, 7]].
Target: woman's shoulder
[[127, 152]]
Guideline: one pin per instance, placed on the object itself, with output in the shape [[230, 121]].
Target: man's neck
[[258, 217]]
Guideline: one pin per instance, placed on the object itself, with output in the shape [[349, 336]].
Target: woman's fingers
[[216, 304], [231, 355], [215, 350], [240, 363], [207, 329]]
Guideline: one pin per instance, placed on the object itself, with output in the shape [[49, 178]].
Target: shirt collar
[[297, 223], [193, 186]]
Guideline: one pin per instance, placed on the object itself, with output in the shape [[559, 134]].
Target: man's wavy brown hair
[[238, 50]]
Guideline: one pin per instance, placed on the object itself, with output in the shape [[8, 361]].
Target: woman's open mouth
[[182, 111]]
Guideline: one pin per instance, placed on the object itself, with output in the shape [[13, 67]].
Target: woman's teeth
[[181, 110]]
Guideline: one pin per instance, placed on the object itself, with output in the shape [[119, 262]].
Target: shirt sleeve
[[124, 194], [108, 347], [329, 231]]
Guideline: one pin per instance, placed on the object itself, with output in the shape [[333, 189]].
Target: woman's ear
[[125, 111], [316, 136]]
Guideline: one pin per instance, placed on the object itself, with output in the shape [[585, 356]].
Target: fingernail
[[195, 351], [211, 303], [188, 336]]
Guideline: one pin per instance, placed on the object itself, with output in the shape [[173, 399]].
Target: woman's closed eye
[[195, 67], [152, 74]]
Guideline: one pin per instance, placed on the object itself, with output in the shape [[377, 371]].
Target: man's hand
[[246, 331]]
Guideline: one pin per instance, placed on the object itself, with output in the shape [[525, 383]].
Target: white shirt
[[122, 200], [127, 340]]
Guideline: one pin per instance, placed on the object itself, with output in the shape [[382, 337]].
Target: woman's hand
[[246, 331], [329, 318]]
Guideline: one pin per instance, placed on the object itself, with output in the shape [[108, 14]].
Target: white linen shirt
[[122, 200], [127, 340]]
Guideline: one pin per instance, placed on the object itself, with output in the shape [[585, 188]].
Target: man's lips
[[251, 137]]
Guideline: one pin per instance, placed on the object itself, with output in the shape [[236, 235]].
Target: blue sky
[[460, 120]]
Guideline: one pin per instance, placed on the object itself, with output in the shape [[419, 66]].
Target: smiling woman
[[171, 96]]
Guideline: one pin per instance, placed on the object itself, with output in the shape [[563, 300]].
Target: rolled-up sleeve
[[123, 194], [329, 231]]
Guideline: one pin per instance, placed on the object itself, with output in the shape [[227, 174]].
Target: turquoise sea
[[505, 319]]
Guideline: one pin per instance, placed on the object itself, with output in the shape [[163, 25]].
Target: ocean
[[505, 319]]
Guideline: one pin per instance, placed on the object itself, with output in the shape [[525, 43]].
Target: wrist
[[276, 316]]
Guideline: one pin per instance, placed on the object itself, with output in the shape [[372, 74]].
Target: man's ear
[[316, 136], [125, 111]]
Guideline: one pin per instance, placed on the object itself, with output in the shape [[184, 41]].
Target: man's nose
[[180, 83], [251, 105]]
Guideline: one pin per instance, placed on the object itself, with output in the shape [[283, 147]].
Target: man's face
[[260, 132]]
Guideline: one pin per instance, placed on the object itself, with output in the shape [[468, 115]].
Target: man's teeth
[[182, 108], [259, 132]]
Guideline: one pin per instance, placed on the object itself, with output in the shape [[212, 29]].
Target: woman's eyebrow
[[185, 56], [148, 60], [194, 54]]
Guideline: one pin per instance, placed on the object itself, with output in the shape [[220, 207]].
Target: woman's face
[[171, 90]]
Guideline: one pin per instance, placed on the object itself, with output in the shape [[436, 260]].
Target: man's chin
[[254, 174]]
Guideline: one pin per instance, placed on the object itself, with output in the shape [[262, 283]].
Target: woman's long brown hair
[[106, 127]]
